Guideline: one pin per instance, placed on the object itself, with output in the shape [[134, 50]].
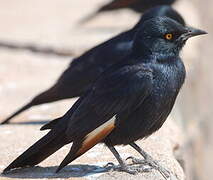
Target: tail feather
[[71, 156], [47, 96], [51, 124], [42, 149], [108, 7], [79, 147], [27, 106]]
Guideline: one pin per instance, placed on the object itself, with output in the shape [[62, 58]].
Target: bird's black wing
[[116, 91]]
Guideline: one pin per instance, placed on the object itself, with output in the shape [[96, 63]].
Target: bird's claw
[[136, 161], [126, 168], [109, 165], [131, 169], [153, 165]]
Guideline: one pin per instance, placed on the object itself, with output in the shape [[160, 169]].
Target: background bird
[[129, 101], [139, 6], [84, 70]]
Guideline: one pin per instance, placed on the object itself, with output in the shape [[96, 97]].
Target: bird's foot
[[137, 161], [109, 165], [153, 164], [127, 169]]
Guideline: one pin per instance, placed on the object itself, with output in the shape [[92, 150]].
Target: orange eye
[[169, 36]]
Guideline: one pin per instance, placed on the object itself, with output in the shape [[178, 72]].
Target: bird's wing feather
[[115, 92], [95, 117]]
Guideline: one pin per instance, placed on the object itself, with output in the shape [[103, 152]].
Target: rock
[[161, 146]]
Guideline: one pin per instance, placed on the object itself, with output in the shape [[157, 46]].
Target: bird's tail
[[104, 8], [48, 96], [27, 106], [42, 149]]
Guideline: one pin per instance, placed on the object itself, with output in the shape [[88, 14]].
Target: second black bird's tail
[[47, 96], [108, 7], [42, 149], [27, 106], [113, 5]]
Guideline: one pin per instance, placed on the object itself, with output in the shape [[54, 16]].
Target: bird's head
[[162, 35]]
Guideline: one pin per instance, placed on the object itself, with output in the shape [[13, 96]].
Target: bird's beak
[[188, 33], [191, 32]]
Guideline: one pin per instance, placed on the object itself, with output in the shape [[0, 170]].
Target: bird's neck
[[165, 57], [140, 51]]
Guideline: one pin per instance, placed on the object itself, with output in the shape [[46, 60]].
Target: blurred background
[[39, 38]]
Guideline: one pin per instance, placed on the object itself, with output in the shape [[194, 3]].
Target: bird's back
[[84, 70]]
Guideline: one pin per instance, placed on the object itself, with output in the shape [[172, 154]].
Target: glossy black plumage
[[84, 70], [139, 6], [129, 101]]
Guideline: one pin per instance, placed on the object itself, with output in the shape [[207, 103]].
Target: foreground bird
[[129, 101], [139, 6], [84, 70]]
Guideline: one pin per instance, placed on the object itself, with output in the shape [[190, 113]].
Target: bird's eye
[[169, 36]]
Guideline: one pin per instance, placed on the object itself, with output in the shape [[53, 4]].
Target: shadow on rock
[[30, 122], [49, 172]]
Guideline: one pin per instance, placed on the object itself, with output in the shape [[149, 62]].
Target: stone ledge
[[160, 145]]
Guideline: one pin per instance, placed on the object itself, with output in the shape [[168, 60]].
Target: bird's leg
[[123, 165], [149, 161]]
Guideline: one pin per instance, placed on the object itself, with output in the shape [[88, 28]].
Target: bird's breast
[[155, 108]]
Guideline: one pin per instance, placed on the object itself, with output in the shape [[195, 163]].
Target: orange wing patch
[[97, 135]]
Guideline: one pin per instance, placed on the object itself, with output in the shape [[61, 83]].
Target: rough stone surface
[[161, 146]]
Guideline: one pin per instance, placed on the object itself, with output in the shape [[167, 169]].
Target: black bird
[[128, 102], [84, 70], [139, 6]]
